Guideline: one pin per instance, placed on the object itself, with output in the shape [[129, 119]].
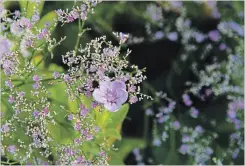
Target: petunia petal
[[104, 86], [122, 96], [112, 107], [118, 85], [98, 95]]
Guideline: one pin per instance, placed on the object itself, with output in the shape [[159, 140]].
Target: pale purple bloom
[[123, 37], [186, 138], [5, 45], [136, 151], [199, 129], [235, 153], [9, 84], [187, 100], [11, 149], [214, 35], [84, 15], [5, 128], [35, 113], [209, 150], [237, 28], [83, 7], [231, 114], [77, 126], [194, 112], [76, 140], [35, 17], [157, 142], [36, 78], [199, 37], [111, 94], [172, 36], [94, 104], [56, 75], [163, 119], [36, 85], [149, 112], [17, 13], [208, 92], [187, 23], [84, 112], [176, 4], [184, 148], [159, 35], [175, 125], [132, 88], [67, 78], [11, 99], [133, 99], [89, 137], [96, 129]]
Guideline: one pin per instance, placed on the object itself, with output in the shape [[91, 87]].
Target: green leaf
[[119, 116], [48, 18], [32, 7], [128, 144], [23, 5], [113, 132]]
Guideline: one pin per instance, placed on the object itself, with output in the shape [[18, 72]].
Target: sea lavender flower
[[199, 37], [172, 36], [5, 128], [11, 99], [56, 75], [157, 142], [11, 149], [159, 35], [111, 94], [186, 99], [5, 45], [194, 112], [36, 113], [9, 84], [69, 117], [84, 112], [175, 125], [149, 112], [184, 148], [214, 35]]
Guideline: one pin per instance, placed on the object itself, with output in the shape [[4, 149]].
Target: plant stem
[[80, 32]]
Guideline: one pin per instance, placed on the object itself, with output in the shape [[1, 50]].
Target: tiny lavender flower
[[214, 35], [11, 149], [111, 94]]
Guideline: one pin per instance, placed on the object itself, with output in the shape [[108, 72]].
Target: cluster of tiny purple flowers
[[31, 113]]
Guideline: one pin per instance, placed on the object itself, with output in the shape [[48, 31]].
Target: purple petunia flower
[[111, 94]]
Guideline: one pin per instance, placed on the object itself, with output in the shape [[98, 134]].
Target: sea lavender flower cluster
[[53, 116], [219, 80]]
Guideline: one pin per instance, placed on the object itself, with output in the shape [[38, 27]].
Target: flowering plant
[[50, 115]]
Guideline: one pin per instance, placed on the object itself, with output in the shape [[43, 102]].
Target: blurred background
[[185, 48]]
